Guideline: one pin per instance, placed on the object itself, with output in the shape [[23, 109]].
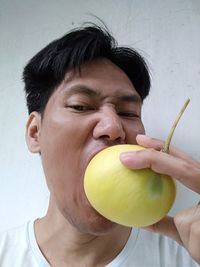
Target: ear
[[33, 131]]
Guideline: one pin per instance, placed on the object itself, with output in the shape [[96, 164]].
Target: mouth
[[99, 149], [95, 153]]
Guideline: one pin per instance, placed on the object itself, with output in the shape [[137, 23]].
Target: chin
[[99, 225], [93, 223]]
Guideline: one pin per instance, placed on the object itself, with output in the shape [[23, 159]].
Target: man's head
[[83, 95], [47, 69]]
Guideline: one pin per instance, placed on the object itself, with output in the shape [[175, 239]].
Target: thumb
[[165, 227]]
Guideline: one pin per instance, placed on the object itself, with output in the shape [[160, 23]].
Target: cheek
[[132, 130], [60, 154]]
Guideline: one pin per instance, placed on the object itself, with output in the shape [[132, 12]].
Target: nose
[[109, 126]]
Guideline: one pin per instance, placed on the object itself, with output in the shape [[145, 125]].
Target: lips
[[95, 153], [97, 150]]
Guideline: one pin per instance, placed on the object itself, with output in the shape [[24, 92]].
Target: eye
[[128, 114], [81, 108]]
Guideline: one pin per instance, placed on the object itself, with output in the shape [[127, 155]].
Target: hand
[[185, 226]]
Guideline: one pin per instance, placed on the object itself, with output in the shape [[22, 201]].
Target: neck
[[63, 245]]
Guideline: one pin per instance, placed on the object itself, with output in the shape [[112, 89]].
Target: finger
[[149, 142], [184, 222], [194, 241], [164, 163], [166, 227]]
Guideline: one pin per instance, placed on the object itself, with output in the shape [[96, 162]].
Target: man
[[84, 94]]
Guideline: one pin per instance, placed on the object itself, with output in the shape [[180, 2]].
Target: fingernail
[[145, 137], [127, 155]]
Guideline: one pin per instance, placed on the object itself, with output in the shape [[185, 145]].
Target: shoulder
[[15, 247], [13, 237]]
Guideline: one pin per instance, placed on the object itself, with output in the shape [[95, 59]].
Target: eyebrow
[[133, 98], [87, 91], [82, 89]]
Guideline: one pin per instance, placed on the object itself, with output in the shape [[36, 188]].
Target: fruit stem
[[169, 137]]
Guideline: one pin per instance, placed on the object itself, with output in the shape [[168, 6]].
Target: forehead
[[101, 76]]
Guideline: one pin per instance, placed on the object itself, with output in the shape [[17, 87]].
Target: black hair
[[47, 69]]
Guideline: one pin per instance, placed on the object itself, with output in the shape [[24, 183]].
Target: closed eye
[[129, 114], [81, 108]]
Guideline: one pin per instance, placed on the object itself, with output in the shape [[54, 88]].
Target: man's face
[[89, 111]]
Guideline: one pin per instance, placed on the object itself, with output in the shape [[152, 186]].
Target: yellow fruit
[[128, 197]]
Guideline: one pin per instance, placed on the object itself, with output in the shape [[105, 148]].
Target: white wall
[[167, 33]]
